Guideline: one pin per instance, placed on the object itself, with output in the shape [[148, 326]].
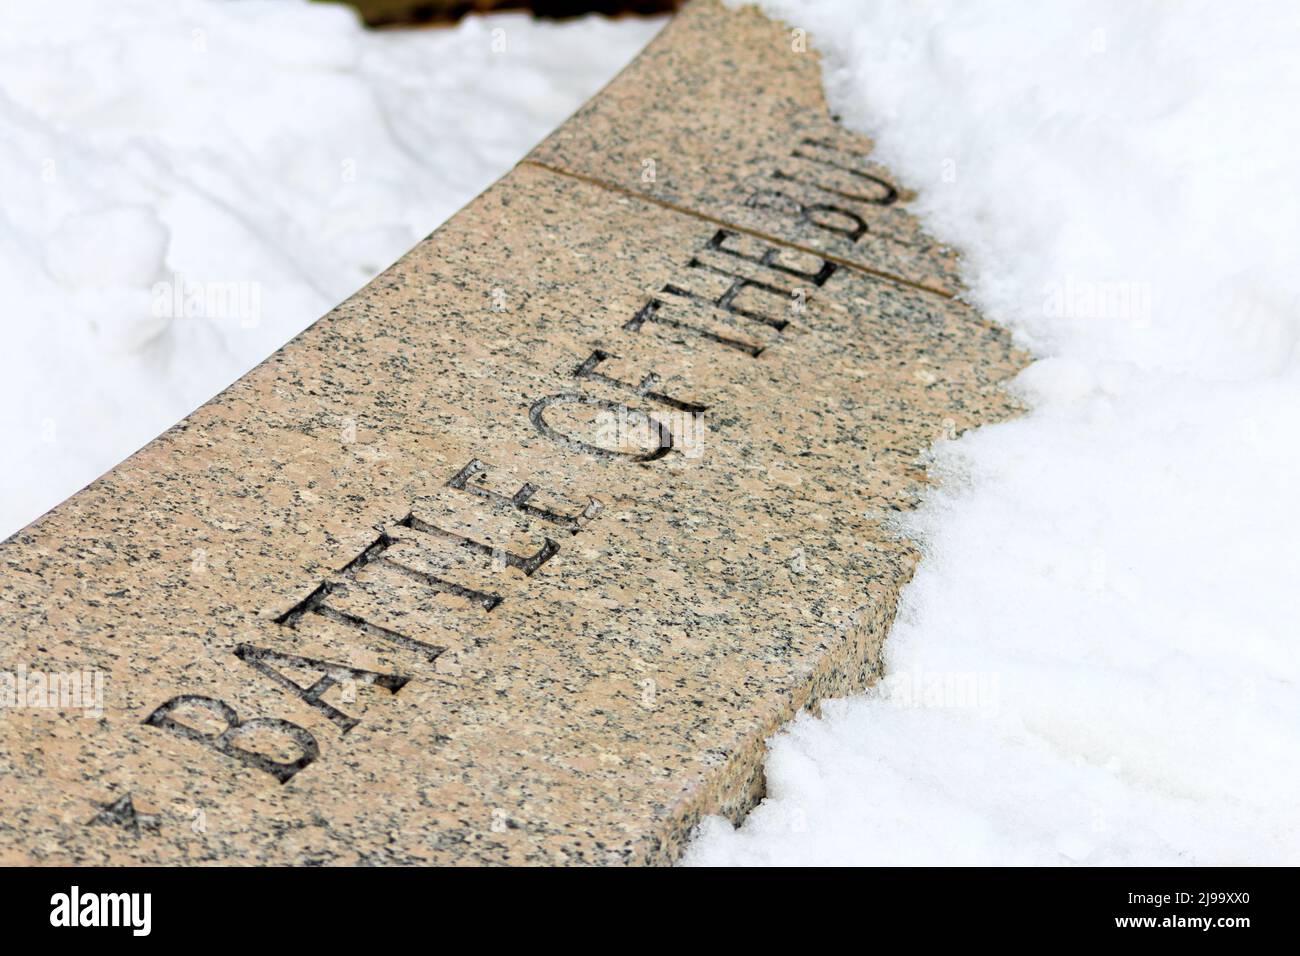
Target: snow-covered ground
[[189, 183], [1099, 658]]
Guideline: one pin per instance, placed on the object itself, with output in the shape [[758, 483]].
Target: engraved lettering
[[468, 478], [645, 389], [727, 299], [881, 191], [727, 243], [122, 813], [226, 742], [770, 258], [661, 433], [483, 599], [886, 199], [652, 311], [824, 216], [528, 563], [263, 658], [314, 604], [374, 554]]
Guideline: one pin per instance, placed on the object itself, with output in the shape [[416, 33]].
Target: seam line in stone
[[756, 233]]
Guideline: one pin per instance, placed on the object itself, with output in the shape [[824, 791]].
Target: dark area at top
[[392, 12]]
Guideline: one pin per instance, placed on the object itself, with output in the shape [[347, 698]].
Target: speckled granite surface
[[519, 554], [724, 115]]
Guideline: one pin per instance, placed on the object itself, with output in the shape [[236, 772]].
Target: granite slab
[[518, 555], [723, 114]]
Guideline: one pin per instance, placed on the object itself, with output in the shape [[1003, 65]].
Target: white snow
[[1113, 578], [189, 183]]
